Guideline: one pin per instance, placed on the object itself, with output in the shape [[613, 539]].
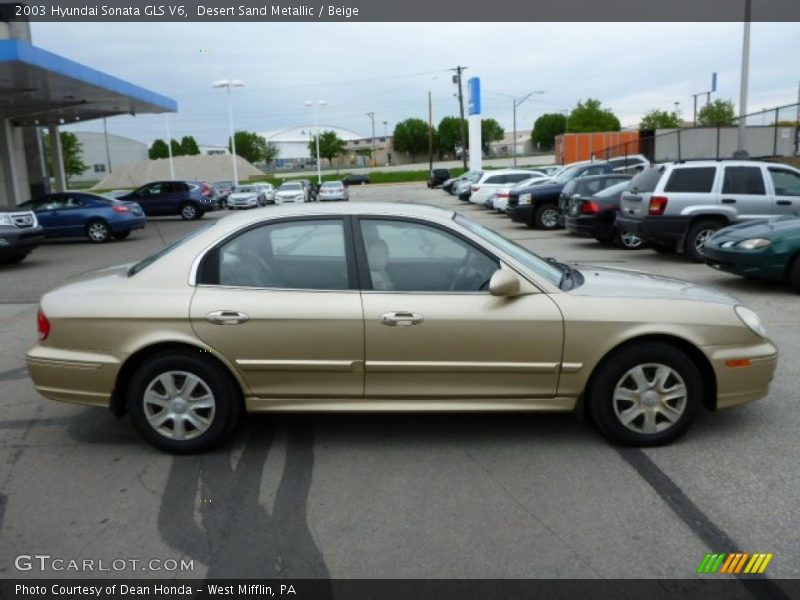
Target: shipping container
[[576, 147]]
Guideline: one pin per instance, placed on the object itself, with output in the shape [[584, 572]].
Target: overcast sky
[[388, 68]]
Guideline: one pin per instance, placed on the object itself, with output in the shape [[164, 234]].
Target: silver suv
[[678, 206], [20, 233]]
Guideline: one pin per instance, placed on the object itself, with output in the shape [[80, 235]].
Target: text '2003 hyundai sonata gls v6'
[[388, 307]]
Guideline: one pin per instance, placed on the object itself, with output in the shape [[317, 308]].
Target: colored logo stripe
[[734, 563]]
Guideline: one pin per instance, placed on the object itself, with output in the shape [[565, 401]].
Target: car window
[[244, 189], [593, 171], [787, 183], [72, 201], [569, 189], [496, 179], [291, 186], [153, 189], [50, 203], [647, 180], [691, 179], [743, 180], [414, 257], [517, 177], [305, 254], [612, 190]]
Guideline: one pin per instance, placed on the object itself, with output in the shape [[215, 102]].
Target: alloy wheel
[[700, 239], [630, 241], [549, 218], [188, 212], [97, 232], [179, 405], [650, 398]]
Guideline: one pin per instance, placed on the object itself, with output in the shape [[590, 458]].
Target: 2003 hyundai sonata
[[388, 307]]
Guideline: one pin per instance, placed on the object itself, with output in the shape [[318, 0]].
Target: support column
[[57, 158], [475, 150], [8, 163]]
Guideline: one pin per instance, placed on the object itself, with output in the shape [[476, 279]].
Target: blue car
[[78, 214], [190, 199]]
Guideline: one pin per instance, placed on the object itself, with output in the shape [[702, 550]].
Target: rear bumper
[[588, 226], [128, 224], [73, 376], [659, 230]]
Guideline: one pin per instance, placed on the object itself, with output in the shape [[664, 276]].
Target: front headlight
[[5, 219], [753, 244], [752, 320], [525, 199]]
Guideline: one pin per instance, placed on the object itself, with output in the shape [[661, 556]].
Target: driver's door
[[433, 331]]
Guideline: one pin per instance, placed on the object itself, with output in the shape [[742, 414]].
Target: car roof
[[399, 209]]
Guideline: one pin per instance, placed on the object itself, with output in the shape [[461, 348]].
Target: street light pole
[[169, 147], [314, 105], [371, 115], [517, 102], [227, 84], [740, 134]]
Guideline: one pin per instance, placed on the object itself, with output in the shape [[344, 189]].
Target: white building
[[212, 150], [121, 150], [293, 142]]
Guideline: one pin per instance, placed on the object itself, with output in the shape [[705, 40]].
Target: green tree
[[250, 146], [546, 128], [189, 146], [176, 148], [719, 113], [491, 131], [271, 153], [660, 119], [448, 134], [590, 116], [71, 152], [330, 145], [411, 137], [158, 149]]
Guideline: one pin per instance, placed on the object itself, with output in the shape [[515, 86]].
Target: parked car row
[[738, 216]]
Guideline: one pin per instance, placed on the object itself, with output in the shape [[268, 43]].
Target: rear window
[[569, 189], [647, 180], [691, 179]]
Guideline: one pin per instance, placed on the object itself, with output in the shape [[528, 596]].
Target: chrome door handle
[[226, 317], [404, 319]]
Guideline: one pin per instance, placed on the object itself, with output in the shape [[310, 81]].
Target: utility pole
[[371, 115], [108, 150], [743, 82], [430, 131], [457, 79]]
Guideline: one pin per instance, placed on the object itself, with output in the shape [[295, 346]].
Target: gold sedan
[[388, 307]]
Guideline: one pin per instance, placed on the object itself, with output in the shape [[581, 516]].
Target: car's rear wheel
[[646, 394], [696, 237], [98, 231], [628, 240], [546, 217], [122, 235], [189, 212], [664, 248], [182, 403]]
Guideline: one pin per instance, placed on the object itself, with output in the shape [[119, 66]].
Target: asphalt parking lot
[[410, 496]]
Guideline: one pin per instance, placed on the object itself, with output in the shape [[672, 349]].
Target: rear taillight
[[502, 195], [120, 209], [658, 204], [206, 190], [589, 208], [43, 325]]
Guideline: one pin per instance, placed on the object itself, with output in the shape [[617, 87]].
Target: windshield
[[142, 264], [568, 173], [530, 260], [244, 189], [333, 185], [613, 190], [291, 186]]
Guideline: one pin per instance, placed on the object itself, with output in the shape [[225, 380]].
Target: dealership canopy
[[37, 87]]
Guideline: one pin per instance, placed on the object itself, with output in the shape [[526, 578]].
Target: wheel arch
[[135, 360], [693, 352]]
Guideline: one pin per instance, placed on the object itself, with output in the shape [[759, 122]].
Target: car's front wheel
[[645, 394], [182, 403], [189, 212], [98, 232], [546, 217]]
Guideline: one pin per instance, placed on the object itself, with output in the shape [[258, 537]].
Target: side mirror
[[504, 283]]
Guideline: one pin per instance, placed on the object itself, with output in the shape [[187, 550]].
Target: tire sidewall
[[226, 394], [692, 234], [189, 218], [539, 214], [90, 224], [613, 368]]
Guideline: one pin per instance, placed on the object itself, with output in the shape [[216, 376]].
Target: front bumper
[[521, 213], [326, 197], [739, 385], [763, 264], [19, 241]]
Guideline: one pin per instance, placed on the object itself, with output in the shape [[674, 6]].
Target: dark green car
[[763, 249]]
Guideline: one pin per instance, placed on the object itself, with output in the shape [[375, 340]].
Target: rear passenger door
[[785, 186], [743, 189]]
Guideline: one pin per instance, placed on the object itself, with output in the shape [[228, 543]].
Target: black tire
[[98, 231], [698, 233], [614, 371], [13, 259], [122, 235], [546, 217], [190, 212], [628, 241], [664, 248], [794, 274], [226, 397]]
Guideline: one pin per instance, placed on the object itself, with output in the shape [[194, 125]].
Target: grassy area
[[374, 176]]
